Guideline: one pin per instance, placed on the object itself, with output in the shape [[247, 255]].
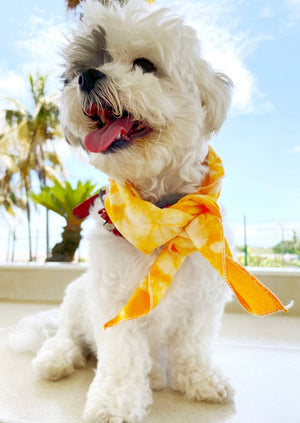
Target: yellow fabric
[[194, 223]]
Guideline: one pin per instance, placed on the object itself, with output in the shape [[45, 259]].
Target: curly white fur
[[185, 103]]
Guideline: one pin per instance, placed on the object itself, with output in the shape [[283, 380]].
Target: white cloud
[[266, 13], [38, 51], [294, 12], [247, 98], [226, 47], [293, 3], [295, 149], [41, 50], [12, 85]]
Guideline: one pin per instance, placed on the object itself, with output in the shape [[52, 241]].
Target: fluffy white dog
[[142, 101]]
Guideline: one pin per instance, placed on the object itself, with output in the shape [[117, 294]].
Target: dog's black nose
[[88, 79]]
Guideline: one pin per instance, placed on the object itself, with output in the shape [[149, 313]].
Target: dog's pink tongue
[[100, 139]]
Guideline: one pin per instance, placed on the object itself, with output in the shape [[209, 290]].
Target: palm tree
[[62, 198], [25, 153]]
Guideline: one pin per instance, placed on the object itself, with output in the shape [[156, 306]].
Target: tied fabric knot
[[192, 224]]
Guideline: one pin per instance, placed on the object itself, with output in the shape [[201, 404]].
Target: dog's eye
[[145, 65]]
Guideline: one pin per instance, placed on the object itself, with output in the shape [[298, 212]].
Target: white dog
[[144, 104]]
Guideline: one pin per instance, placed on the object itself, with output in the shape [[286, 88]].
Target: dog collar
[[83, 210]]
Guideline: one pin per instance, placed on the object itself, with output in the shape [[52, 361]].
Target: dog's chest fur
[[121, 268]]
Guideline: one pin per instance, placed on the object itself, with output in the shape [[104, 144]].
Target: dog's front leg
[[120, 391], [191, 368]]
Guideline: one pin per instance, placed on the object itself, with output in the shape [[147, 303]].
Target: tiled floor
[[261, 356]]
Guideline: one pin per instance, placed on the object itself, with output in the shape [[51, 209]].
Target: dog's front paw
[[206, 384], [100, 413], [93, 416], [117, 402], [57, 359], [119, 412]]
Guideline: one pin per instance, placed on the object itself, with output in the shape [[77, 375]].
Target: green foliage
[[289, 246], [23, 146], [14, 117], [24, 154], [285, 247], [61, 198], [273, 257], [269, 260]]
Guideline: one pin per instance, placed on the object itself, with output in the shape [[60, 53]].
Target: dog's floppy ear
[[215, 92]]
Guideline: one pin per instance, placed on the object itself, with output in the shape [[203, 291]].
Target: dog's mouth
[[112, 133]]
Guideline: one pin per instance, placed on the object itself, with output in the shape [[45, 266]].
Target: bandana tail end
[[256, 298]]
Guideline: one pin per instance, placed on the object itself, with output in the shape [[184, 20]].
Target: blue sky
[[256, 43]]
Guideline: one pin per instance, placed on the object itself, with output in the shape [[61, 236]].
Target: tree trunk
[[29, 229], [47, 234], [27, 190], [64, 251]]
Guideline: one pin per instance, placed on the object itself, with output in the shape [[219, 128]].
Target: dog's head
[[138, 96]]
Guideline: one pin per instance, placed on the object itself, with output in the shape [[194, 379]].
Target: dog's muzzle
[[88, 79]]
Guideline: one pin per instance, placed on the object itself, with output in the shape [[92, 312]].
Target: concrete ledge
[[37, 282], [33, 282]]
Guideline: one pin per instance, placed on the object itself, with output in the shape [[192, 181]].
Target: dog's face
[[138, 96]]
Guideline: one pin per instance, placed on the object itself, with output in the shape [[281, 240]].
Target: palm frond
[[62, 198], [47, 199]]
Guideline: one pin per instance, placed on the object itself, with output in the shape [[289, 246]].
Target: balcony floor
[[261, 356]]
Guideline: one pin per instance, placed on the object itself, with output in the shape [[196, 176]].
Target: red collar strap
[[83, 210]]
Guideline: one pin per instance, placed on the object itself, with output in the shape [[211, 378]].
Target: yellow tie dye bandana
[[194, 223]]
